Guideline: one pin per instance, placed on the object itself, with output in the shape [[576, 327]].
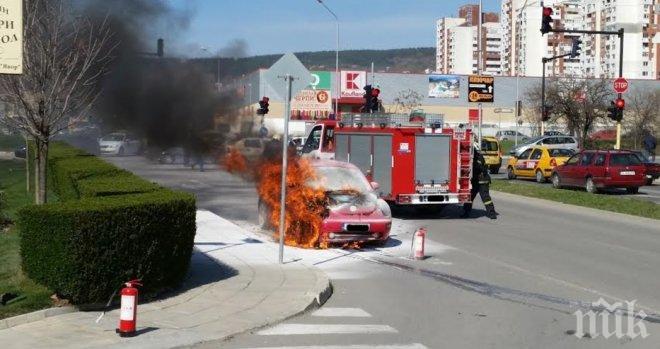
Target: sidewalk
[[235, 285]]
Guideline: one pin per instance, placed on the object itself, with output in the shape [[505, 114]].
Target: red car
[[354, 212], [598, 169]]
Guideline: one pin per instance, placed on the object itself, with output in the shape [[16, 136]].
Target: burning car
[[353, 212]]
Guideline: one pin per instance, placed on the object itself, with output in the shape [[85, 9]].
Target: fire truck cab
[[415, 161]]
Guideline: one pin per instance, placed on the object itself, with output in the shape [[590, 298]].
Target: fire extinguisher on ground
[[127, 315]]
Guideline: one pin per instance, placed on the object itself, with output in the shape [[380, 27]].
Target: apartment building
[[457, 48], [523, 46]]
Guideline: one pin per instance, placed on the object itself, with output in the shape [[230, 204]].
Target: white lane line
[[302, 329], [388, 346], [341, 312]]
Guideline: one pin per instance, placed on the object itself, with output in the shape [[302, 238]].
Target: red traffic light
[[265, 99], [375, 92], [620, 103], [547, 11]]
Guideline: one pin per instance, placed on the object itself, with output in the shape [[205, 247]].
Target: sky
[[259, 27]]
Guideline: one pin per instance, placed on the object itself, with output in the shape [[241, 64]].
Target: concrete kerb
[[35, 316]]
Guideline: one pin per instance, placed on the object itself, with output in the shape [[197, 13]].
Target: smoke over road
[[168, 101]]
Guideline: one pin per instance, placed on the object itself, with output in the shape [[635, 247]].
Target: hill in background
[[405, 60]]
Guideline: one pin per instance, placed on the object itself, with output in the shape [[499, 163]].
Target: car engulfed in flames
[[328, 203]]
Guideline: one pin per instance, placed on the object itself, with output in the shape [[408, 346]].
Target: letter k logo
[[350, 81]]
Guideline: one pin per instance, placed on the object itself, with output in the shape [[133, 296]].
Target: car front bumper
[[349, 229]]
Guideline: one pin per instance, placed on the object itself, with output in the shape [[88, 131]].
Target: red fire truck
[[414, 159]]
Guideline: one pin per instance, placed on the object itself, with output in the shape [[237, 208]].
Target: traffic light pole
[[285, 150], [543, 106]]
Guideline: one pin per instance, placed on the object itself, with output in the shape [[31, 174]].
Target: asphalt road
[[510, 283]]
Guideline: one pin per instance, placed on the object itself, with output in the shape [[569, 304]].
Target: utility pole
[[285, 150], [479, 66]]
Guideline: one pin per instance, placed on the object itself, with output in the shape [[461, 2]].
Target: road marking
[[301, 329], [341, 312], [388, 346]]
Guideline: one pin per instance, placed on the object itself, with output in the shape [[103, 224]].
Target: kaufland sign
[[352, 83]]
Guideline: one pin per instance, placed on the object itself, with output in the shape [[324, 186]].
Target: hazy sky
[[277, 26]]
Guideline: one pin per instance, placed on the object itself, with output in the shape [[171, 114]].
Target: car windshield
[[336, 179], [489, 145], [114, 137], [560, 152], [252, 143], [624, 160]]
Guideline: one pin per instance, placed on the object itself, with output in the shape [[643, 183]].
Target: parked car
[[120, 143], [250, 148], [652, 169], [598, 169], [560, 142], [355, 213], [20, 152], [537, 162], [510, 135], [490, 149]]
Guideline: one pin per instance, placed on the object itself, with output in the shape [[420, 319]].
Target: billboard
[[352, 83], [311, 104], [444, 86], [320, 80], [11, 37]]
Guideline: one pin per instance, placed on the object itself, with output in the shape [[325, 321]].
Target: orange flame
[[235, 162], [305, 206]]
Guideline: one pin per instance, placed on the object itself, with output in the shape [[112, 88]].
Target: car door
[[598, 168], [521, 163], [584, 168], [533, 162], [568, 142], [567, 172]]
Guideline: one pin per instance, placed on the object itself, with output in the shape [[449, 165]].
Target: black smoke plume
[[168, 101]]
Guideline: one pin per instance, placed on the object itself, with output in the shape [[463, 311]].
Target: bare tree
[[64, 57], [407, 100], [577, 102], [641, 114]]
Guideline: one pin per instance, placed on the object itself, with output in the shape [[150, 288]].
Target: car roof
[[490, 138]]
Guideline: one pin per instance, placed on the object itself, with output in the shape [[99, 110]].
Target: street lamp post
[[217, 74], [336, 55]]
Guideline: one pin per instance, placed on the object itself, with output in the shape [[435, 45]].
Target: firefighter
[[480, 184]]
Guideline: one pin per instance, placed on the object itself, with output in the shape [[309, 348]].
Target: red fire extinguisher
[[127, 315], [420, 236]]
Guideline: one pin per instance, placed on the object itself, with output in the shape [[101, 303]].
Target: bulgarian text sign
[[11, 37], [481, 88], [352, 83], [312, 100]]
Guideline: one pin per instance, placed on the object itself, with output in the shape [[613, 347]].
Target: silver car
[[564, 142], [120, 143]]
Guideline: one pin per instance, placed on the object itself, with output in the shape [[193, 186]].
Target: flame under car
[[353, 210]]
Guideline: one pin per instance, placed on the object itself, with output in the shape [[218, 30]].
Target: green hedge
[[109, 227]]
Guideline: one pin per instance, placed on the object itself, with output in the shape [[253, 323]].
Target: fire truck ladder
[[391, 120], [465, 156]]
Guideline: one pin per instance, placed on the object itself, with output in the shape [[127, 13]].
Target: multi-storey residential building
[[457, 46], [523, 46]]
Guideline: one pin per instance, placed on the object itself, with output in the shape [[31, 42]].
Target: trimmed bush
[[109, 227]]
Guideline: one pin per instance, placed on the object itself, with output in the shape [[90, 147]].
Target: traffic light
[[263, 106], [375, 105], [575, 47], [615, 110], [368, 98], [160, 51], [546, 20], [545, 113]]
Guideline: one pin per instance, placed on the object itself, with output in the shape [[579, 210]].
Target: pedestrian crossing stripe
[[341, 312], [387, 346], [303, 329]]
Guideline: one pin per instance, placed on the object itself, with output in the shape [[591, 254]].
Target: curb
[[34, 316]]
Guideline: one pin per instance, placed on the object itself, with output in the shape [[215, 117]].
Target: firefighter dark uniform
[[480, 184]]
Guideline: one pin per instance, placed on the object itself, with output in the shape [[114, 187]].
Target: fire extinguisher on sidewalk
[[127, 315], [418, 243]]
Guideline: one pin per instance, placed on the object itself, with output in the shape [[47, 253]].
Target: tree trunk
[[41, 172], [27, 165]]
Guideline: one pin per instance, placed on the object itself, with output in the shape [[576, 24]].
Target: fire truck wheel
[[495, 169], [509, 173]]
